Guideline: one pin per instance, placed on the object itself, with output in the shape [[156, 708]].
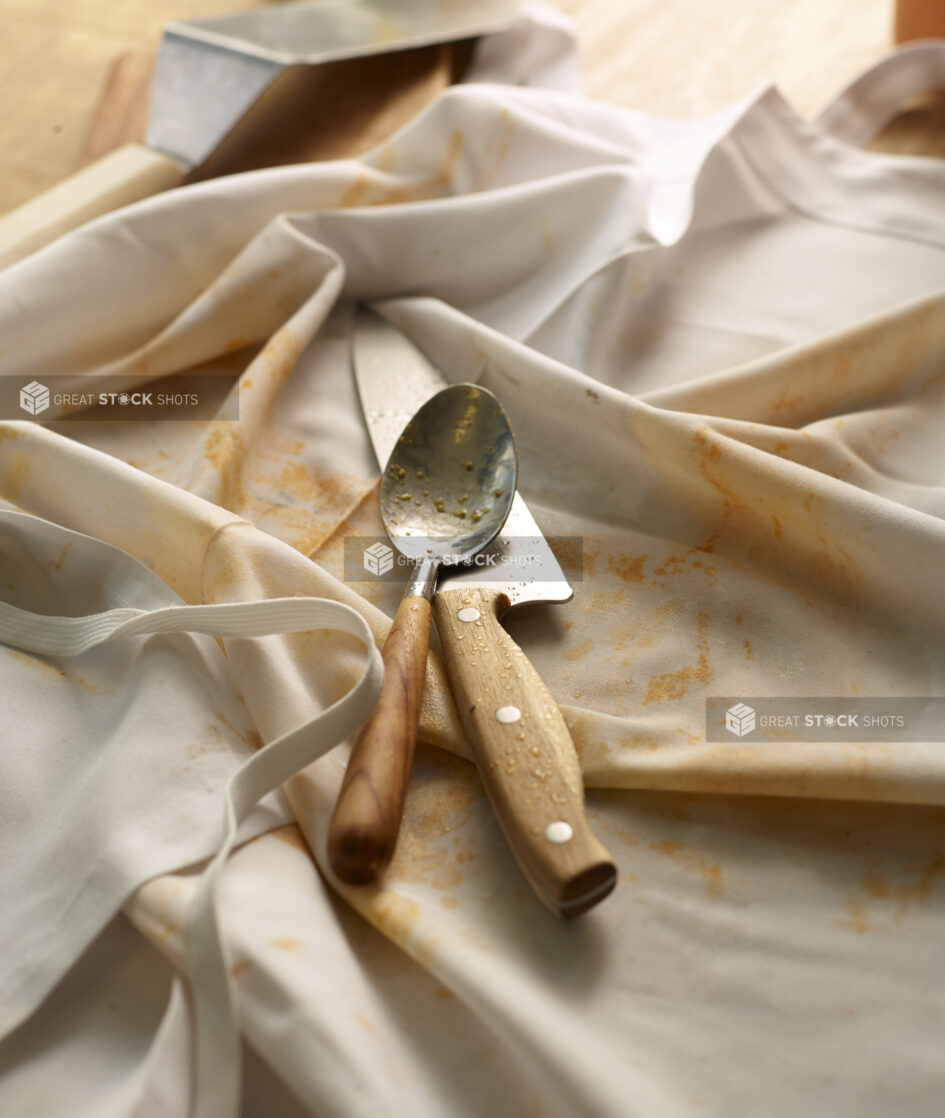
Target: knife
[[521, 743]]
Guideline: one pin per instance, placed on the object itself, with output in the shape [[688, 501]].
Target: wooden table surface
[[674, 57]]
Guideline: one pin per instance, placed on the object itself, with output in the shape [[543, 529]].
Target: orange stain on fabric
[[711, 872], [287, 943], [280, 354], [672, 565], [499, 152], [646, 635], [317, 491], [369, 192], [711, 466], [434, 808], [673, 686], [394, 916], [15, 477], [225, 449], [784, 403], [626, 568], [52, 672], [708, 547], [57, 564], [855, 919], [892, 900], [916, 890], [386, 158], [675, 565], [575, 558], [250, 737], [835, 567], [356, 192], [165, 930], [316, 511], [417, 862], [611, 828]]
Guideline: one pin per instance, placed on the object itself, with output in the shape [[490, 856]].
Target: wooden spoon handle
[[366, 821], [524, 753]]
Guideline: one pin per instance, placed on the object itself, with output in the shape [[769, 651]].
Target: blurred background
[[75, 74]]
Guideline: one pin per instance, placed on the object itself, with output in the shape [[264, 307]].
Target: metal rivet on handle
[[508, 714], [559, 832], [468, 613]]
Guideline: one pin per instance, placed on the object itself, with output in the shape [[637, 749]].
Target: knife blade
[[521, 743]]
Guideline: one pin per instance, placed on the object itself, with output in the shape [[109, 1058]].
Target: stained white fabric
[[721, 345], [91, 878]]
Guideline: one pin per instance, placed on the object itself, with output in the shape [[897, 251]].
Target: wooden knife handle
[[366, 821], [524, 753]]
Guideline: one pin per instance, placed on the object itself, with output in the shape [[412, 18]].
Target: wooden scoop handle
[[123, 176], [366, 820]]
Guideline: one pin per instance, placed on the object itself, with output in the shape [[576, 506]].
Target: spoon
[[445, 494]]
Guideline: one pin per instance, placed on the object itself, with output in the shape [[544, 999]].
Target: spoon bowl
[[449, 483]]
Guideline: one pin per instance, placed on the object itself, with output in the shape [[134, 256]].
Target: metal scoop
[[210, 72], [445, 493]]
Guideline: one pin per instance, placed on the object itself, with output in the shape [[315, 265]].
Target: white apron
[[721, 344]]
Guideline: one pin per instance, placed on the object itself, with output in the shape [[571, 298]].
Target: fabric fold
[[720, 343]]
